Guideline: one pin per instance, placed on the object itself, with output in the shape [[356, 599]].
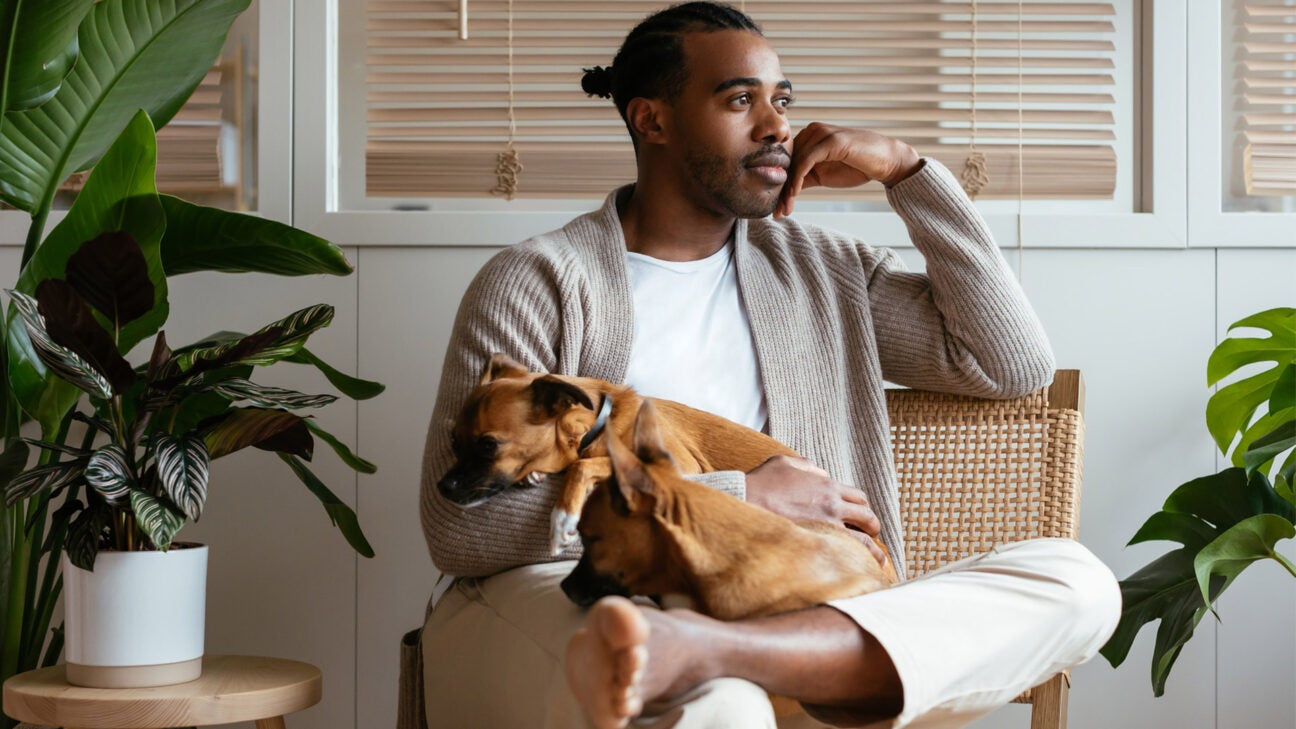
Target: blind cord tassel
[[508, 164], [975, 175]]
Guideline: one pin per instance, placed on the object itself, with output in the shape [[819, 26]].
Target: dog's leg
[[581, 478]]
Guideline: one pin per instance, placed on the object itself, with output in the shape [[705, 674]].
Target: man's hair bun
[[597, 81]]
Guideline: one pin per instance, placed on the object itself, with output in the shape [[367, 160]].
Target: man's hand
[[799, 490], [824, 155]]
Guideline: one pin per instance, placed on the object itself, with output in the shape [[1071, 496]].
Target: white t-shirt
[[692, 337]]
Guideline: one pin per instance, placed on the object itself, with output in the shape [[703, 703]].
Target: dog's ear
[[631, 488], [499, 367], [553, 395], [649, 445]]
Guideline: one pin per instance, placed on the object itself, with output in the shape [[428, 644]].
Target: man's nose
[[773, 125]]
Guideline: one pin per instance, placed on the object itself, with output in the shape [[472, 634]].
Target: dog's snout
[[585, 585]]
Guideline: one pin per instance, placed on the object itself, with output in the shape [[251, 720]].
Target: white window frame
[[1209, 225], [1162, 27]]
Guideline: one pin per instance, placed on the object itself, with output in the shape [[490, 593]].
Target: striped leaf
[[85, 534], [270, 397], [57, 447], [53, 477], [155, 518], [183, 469], [109, 473], [64, 362], [275, 341]]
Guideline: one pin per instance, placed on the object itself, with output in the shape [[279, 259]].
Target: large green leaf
[[1230, 410], [338, 512], [183, 465], [41, 36], [119, 195], [200, 238], [1245, 543], [135, 54], [1279, 438], [1237, 352], [351, 459]]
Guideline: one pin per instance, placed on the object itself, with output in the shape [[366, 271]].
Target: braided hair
[[651, 60]]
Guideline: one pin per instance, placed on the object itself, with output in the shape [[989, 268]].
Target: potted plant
[[1227, 521], [84, 84]]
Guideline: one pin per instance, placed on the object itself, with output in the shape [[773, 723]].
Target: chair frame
[[1008, 468]]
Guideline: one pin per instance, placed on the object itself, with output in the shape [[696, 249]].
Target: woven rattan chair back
[[974, 473]]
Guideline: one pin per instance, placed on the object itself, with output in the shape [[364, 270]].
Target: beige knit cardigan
[[831, 318]]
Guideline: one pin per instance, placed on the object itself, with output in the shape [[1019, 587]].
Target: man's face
[[729, 128]]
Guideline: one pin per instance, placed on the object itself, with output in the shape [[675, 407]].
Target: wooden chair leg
[[1049, 703], [274, 722]]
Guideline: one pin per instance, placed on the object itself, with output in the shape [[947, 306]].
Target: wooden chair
[[976, 472]]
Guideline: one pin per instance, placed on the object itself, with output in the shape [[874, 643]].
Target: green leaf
[[183, 469], [1266, 448], [44, 49], [61, 361], [200, 238], [269, 397], [1228, 497], [243, 427], [1185, 529], [351, 459], [1284, 394], [1248, 541], [1229, 410], [57, 447], [1237, 352], [353, 387], [52, 477], [155, 518], [109, 473], [111, 274], [339, 513], [135, 54]]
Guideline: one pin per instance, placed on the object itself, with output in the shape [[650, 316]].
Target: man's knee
[[722, 703], [1089, 596]]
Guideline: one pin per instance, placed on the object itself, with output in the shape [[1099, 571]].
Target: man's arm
[[964, 326], [512, 306]]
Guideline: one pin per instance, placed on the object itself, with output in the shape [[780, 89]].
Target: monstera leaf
[[135, 54], [1224, 523], [1231, 411], [42, 38]]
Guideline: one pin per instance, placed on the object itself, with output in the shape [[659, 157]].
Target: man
[[684, 286]]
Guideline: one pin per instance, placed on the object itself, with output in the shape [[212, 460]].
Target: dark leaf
[[1265, 449], [109, 474], [85, 534], [155, 518], [1185, 529], [351, 459], [161, 355], [110, 273], [295, 440], [13, 460], [52, 477], [190, 362], [1227, 498], [57, 447], [210, 239], [243, 427], [71, 324], [183, 470], [339, 513], [353, 387], [31, 345], [60, 521]]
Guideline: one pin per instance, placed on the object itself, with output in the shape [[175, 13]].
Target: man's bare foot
[[625, 657]]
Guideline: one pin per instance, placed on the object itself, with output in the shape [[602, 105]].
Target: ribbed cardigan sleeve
[[965, 325], [513, 306]]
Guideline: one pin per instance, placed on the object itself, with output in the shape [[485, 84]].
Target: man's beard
[[720, 179]]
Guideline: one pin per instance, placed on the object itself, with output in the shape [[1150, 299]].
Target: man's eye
[[785, 101], [742, 100]]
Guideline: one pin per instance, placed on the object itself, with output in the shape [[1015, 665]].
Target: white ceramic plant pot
[[137, 619]]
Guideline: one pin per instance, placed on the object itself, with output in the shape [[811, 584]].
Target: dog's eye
[[487, 446]]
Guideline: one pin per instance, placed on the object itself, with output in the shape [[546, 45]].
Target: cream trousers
[[965, 639]]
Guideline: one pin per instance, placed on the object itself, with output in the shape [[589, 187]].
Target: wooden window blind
[[438, 106], [1268, 99]]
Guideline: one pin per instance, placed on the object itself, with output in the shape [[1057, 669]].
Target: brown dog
[[517, 427], [651, 532]]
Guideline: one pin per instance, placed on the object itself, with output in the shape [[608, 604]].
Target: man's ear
[[501, 366], [647, 118], [551, 395], [649, 445], [631, 488]]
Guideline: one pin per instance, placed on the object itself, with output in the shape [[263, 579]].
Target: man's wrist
[[907, 163]]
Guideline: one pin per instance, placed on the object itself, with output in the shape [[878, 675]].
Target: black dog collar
[[599, 424]]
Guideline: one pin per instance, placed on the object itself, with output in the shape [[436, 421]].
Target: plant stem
[[17, 592], [36, 230]]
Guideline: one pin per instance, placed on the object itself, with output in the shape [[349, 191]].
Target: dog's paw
[[562, 530]]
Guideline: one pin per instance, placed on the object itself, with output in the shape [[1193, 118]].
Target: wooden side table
[[231, 689]]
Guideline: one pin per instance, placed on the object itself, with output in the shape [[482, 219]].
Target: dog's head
[[623, 524], [515, 427]]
